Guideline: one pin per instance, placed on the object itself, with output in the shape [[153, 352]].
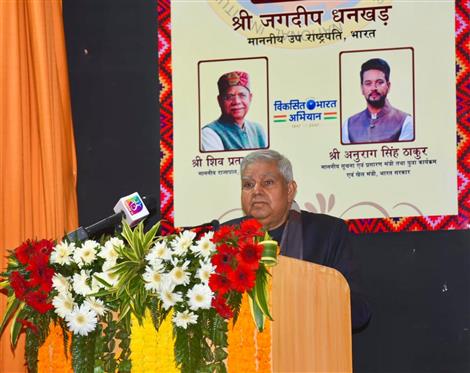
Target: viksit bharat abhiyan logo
[[303, 24]]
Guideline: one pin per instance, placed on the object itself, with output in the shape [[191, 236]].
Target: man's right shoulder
[[357, 115], [209, 125]]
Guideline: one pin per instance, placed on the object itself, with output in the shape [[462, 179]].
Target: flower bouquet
[[46, 283], [92, 288], [27, 283]]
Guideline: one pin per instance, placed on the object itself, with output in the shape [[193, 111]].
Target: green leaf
[[235, 301], [259, 293], [125, 366], [258, 315], [15, 328], [83, 352], [220, 354], [31, 351], [188, 353], [103, 282], [221, 368], [157, 312], [12, 307], [65, 336], [150, 237], [218, 328], [123, 333]]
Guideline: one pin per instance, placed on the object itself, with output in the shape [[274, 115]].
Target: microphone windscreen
[[215, 224], [133, 208]]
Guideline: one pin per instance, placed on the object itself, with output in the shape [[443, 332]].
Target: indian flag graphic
[[330, 115], [280, 118]]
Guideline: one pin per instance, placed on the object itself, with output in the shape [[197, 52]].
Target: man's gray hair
[[283, 164]]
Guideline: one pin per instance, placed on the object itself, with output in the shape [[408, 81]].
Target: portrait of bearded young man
[[380, 121]]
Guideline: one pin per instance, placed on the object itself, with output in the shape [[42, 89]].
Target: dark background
[[418, 283]]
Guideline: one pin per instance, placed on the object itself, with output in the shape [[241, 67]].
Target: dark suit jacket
[[326, 242]]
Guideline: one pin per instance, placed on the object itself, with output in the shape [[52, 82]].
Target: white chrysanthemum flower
[[205, 272], [63, 304], [109, 277], [82, 320], [86, 254], [60, 283], [178, 274], [167, 296], [152, 259], [108, 274], [116, 242], [153, 277], [96, 305], [183, 319], [200, 296], [80, 283], [61, 254], [183, 242], [108, 251], [204, 247], [108, 266], [159, 251]]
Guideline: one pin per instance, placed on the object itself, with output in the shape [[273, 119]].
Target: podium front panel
[[312, 318]]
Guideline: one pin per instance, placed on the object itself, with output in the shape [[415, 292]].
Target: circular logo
[[311, 104]]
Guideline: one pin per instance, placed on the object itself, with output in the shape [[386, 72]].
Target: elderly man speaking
[[268, 191], [232, 131]]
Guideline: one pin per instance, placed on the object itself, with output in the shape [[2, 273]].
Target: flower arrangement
[[28, 284], [92, 288]]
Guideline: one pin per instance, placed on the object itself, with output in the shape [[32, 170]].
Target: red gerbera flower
[[250, 254], [243, 278], [221, 307], [38, 300], [223, 234], [44, 247], [24, 252], [39, 250], [224, 259], [30, 325], [251, 227], [219, 283], [19, 285], [40, 274]]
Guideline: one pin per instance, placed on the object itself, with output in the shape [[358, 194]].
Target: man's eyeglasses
[[231, 96]]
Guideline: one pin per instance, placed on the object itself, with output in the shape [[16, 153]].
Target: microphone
[[215, 224], [132, 208]]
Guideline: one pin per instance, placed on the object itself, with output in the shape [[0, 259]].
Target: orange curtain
[[37, 151]]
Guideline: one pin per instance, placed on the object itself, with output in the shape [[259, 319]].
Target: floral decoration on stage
[[91, 289]]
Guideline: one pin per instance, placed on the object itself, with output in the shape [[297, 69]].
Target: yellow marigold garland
[[241, 341], [248, 349], [51, 356], [264, 342], [152, 351]]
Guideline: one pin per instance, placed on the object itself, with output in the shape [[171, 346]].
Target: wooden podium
[[311, 331]]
